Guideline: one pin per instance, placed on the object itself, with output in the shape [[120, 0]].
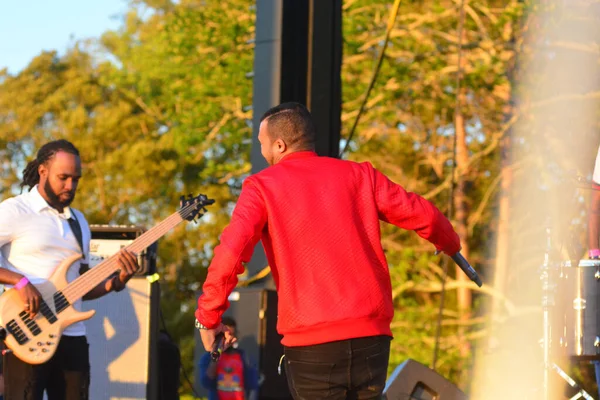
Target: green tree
[[158, 109], [408, 132], [186, 66]]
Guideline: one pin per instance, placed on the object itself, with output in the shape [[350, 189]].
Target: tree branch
[[473, 219], [494, 143], [432, 287]]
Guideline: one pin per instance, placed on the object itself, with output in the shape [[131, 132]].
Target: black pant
[[66, 376], [347, 369]]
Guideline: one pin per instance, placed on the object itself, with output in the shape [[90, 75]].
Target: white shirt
[[35, 238], [596, 176]]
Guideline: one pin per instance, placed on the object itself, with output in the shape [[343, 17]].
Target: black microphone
[[216, 351], [467, 269]]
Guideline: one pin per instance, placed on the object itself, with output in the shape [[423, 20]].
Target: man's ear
[[280, 146], [42, 170]]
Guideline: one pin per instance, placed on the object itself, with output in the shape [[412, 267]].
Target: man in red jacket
[[318, 219]]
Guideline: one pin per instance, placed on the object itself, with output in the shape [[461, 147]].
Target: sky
[[28, 28]]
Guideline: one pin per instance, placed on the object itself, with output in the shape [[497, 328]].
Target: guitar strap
[[76, 229]]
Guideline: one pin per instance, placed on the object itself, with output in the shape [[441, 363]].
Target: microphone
[[216, 350], [467, 269]]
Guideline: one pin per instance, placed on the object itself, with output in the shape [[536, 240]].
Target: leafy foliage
[[408, 132], [157, 111], [159, 108]]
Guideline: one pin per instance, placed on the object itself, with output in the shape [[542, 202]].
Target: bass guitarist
[[38, 230]]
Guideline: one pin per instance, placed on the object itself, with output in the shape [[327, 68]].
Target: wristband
[[594, 253], [24, 281]]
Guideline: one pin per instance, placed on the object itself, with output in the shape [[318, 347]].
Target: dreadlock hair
[[31, 176], [293, 123]]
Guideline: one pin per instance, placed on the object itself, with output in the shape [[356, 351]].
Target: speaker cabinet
[[122, 337], [255, 312], [123, 333], [106, 240], [414, 381]]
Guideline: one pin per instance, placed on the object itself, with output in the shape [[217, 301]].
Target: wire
[[259, 275], [457, 112], [184, 372], [390, 26]]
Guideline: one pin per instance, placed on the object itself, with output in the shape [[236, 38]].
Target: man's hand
[[129, 266], [31, 299], [208, 337]]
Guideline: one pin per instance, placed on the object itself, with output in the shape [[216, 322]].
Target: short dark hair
[[293, 123], [31, 177], [228, 321]]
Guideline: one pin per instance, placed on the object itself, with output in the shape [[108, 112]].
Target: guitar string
[[75, 286], [79, 286], [109, 266]]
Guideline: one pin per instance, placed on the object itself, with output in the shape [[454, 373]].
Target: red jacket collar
[[299, 154]]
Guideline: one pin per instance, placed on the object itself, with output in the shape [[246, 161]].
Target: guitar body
[[35, 340]]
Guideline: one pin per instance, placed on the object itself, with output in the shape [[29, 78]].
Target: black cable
[[388, 32], [183, 371], [457, 112]]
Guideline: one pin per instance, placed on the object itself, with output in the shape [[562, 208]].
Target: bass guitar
[[34, 340]]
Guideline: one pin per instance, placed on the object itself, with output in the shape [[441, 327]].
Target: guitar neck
[[86, 282]]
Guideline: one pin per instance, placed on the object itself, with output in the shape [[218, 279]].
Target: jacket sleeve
[[207, 383], [410, 211], [236, 247]]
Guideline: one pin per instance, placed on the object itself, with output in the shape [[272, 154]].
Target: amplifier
[[123, 342], [124, 330], [106, 240]]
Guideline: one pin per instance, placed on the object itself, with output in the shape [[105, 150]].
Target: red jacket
[[318, 219]]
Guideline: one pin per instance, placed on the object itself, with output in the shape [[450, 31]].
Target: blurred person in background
[[232, 377]]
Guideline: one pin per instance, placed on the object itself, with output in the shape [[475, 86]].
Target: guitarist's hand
[[31, 298], [129, 266]]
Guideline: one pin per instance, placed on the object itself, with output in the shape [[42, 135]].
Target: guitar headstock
[[191, 207]]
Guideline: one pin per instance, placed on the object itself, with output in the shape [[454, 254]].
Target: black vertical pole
[[324, 89], [298, 57]]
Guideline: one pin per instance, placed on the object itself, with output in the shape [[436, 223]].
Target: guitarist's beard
[[55, 200]]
